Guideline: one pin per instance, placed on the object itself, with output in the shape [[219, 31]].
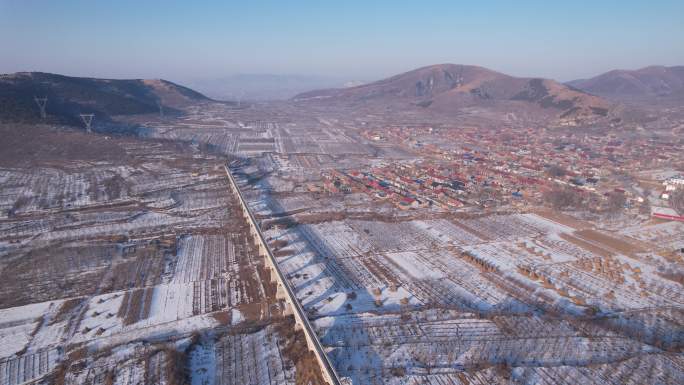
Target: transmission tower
[[239, 98], [87, 120], [42, 102], [161, 108]]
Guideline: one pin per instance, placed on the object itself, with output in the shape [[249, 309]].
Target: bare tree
[[677, 200], [563, 198], [647, 193], [616, 201], [645, 207], [556, 171]]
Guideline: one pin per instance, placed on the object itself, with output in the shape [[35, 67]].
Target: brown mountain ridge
[[448, 87], [653, 82], [67, 97]]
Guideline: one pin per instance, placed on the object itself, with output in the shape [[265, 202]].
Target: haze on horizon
[[185, 41]]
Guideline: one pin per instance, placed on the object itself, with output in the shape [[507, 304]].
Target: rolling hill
[[449, 87], [67, 97], [654, 82]]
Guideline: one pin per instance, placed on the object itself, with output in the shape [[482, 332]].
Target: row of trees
[[677, 200], [569, 198], [563, 198]]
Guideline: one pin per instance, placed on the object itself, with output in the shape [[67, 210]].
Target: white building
[[676, 182]]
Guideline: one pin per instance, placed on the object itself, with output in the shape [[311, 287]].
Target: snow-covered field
[[253, 358], [144, 272], [107, 267], [367, 278]]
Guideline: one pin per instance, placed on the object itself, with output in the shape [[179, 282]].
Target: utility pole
[[239, 98], [42, 102], [87, 120]]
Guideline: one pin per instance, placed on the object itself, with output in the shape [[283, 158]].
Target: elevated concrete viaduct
[[284, 290]]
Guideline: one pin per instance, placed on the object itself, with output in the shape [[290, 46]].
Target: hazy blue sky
[[353, 39]]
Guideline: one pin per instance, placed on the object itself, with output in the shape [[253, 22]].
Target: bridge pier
[[274, 275], [280, 292]]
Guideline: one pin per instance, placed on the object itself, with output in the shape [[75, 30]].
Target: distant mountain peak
[[452, 86], [650, 82]]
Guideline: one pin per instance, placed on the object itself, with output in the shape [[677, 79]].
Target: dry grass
[[470, 230], [78, 353], [123, 308], [175, 367], [254, 311], [619, 245], [147, 304], [586, 245], [563, 219], [380, 271], [294, 348], [65, 310], [222, 317], [674, 277], [109, 377], [135, 305], [39, 324], [25, 145]]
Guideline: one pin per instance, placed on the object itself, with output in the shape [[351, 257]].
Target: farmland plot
[[508, 255], [18, 325], [613, 289], [652, 369], [354, 237], [440, 277], [290, 203], [118, 313], [510, 227], [109, 258], [543, 225], [54, 188], [342, 261], [553, 245], [447, 233], [202, 257], [127, 364], [253, 358], [667, 234], [200, 200], [327, 283], [198, 288], [79, 269], [141, 222], [220, 270], [54, 273], [471, 266], [428, 343], [422, 276], [28, 366], [160, 257]]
